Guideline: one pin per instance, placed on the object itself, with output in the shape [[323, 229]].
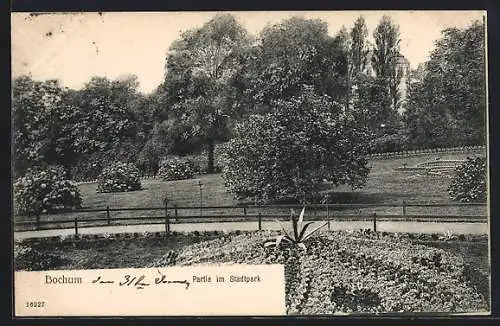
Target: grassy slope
[[384, 186]]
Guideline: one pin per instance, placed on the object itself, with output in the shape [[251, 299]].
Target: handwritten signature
[[140, 282]]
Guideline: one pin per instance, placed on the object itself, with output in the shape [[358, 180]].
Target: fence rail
[[243, 213]]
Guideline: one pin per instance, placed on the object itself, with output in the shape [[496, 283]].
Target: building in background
[[403, 67]]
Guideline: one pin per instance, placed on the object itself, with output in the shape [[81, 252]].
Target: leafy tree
[[450, 95], [359, 46], [200, 67], [292, 53], [345, 42], [41, 124], [422, 118], [290, 151], [356, 49], [105, 116], [384, 61], [111, 122]]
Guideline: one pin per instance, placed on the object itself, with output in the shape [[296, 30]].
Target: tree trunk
[[211, 146]]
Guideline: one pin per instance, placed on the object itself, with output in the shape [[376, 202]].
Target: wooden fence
[[168, 215]]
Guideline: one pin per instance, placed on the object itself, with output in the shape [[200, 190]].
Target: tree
[[109, 121], [356, 50], [42, 124], [291, 151], [359, 46], [345, 43], [199, 70], [292, 53], [450, 95], [384, 60]]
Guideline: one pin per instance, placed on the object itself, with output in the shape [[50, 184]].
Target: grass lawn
[[384, 186]]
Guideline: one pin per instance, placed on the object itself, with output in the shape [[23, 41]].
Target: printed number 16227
[[35, 304]]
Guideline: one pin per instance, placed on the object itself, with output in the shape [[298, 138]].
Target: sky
[[73, 47]]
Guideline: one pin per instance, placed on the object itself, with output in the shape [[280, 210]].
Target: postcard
[[250, 163]]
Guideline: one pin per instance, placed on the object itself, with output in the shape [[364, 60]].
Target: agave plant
[[299, 234], [448, 235]]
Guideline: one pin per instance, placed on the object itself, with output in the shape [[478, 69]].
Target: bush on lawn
[[45, 190], [388, 144], [346, 272], [177, 168], [86, 170], [469, 183], [119, 177], [200, 161], [292, 151]]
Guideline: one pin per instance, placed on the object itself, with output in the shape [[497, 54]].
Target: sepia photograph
[[312, 162]]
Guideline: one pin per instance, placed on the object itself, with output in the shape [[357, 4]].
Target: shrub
[[45, 190], [469, 183], [290, 152], [148, 159], [177, 168], [393, 143], [119, 177], [86, 170], [200, 160]]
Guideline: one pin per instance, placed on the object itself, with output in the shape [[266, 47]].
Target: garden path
[[387, 226]]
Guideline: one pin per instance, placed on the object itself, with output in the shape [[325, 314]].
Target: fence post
[[260, 221], [404, 207], [76, 225], [167, 222], [108, 215], [374, 222], [328, 215], [38, 221], [175, 208], [245, 211]]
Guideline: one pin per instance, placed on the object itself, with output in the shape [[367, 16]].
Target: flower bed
[[360, 273], [99, 251]]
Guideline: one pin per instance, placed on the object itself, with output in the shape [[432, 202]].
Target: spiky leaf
[[313, 231], [303, 231], [301, 217]]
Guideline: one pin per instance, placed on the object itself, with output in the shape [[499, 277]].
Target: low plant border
[[416, 152], [417, 237]]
